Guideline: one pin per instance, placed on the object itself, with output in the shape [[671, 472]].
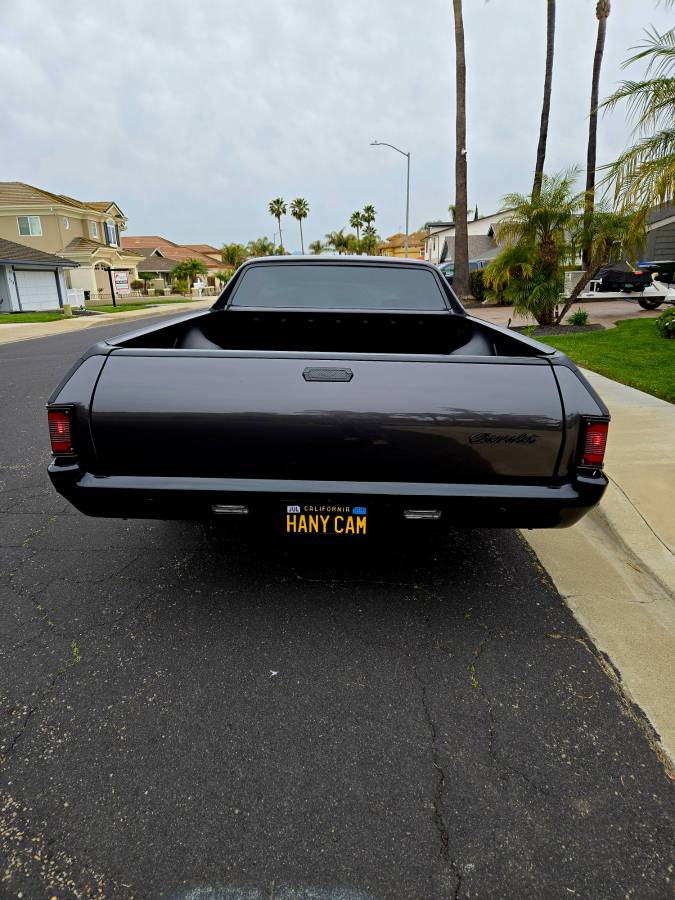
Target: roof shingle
[[13, 253]]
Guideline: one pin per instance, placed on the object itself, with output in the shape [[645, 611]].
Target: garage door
[[37, 290]]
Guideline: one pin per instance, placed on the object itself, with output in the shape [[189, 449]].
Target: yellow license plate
[[341, 520]]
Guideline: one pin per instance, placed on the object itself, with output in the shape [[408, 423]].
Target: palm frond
[[651, 103], [645, 173], [658, 48]]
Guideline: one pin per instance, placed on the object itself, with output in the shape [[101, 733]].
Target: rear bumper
[[470, 505]]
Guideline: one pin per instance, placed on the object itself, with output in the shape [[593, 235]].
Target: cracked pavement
[[189, 711]]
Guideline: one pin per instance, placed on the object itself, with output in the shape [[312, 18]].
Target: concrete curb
[[635, 538]]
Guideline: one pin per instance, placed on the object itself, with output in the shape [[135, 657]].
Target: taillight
[[60, 431], [594, 442]]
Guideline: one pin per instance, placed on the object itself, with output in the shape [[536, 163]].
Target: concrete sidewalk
[[28, 331], [616, 568]]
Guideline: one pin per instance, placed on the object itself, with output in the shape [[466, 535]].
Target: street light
[[407, 186]]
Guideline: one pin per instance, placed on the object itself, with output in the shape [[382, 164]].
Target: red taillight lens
[[60, 431], [594, 443]]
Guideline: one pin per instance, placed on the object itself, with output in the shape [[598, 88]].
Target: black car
[[330, 396]]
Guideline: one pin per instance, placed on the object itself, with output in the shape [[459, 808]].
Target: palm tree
[[233, 255], [316, 248], [370, 240], [546, 104], [602, 232], [299, 210], [452, 209], [535, 234], [337, 240], [188, 269], [460, 282], [277, 209], [602, 9], [368, 215], [260, 247], [357, 222], [644, 174]]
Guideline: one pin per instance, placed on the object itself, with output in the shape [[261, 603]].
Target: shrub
[[665, 324], [180, 285], [476, 284], [578, 317], [136, 285]]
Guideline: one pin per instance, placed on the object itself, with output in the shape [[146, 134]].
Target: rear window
[[338, 287]]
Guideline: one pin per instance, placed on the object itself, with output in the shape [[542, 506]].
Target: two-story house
[[87, 232]]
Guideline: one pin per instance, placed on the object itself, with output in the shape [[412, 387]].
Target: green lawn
[[143, 304], [632, 353], [13, 318]]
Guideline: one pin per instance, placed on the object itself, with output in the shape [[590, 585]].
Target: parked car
[[327, 394], [448, 270]]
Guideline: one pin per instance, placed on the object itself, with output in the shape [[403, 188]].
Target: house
[[88, 233], [31, 280], [206, 250], [441, 235], [395, 245], [660, 234], [160, 255]]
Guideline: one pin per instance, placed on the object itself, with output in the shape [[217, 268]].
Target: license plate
[[342, 520]]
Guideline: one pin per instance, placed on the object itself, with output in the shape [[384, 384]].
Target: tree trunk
[[281, 242], [546, 104], [589, 273], [460, 281], [589, 198], [302, 240]]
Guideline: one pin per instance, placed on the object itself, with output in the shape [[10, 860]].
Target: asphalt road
[[191, 713]]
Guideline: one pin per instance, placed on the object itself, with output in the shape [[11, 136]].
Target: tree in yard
[[337, 240], [187, 270], [546, 104], [452, 209], [602, 9], [146, 277], [535, 232], [644, 174], [262, 246], [224, 275], [357, 222], [316, 248], [234, 255], [299, 210], [277, 208], [460, 281], [603, 233], [370, 240]]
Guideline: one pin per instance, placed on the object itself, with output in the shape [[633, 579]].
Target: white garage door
[[37, 290]]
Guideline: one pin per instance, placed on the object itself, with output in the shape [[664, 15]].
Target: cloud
[[192, 115]]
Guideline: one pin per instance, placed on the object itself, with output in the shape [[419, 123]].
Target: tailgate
[[393, 420]]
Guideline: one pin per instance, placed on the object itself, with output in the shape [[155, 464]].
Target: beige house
[[87, 232]]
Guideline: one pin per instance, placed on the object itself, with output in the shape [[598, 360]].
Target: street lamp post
[[407, 186]]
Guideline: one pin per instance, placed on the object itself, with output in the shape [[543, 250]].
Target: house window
[[29, 226], [111, 233], [94, 230], [66, 222]]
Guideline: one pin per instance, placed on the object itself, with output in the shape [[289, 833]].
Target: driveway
[[190, 712], [600, 312]]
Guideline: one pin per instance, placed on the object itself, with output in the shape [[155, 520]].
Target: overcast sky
[[193, 114]]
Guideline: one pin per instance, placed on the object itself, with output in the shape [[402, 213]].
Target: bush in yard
[[136, 285], [476, 284], [665, 324], [578, 317], [180, 285]]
